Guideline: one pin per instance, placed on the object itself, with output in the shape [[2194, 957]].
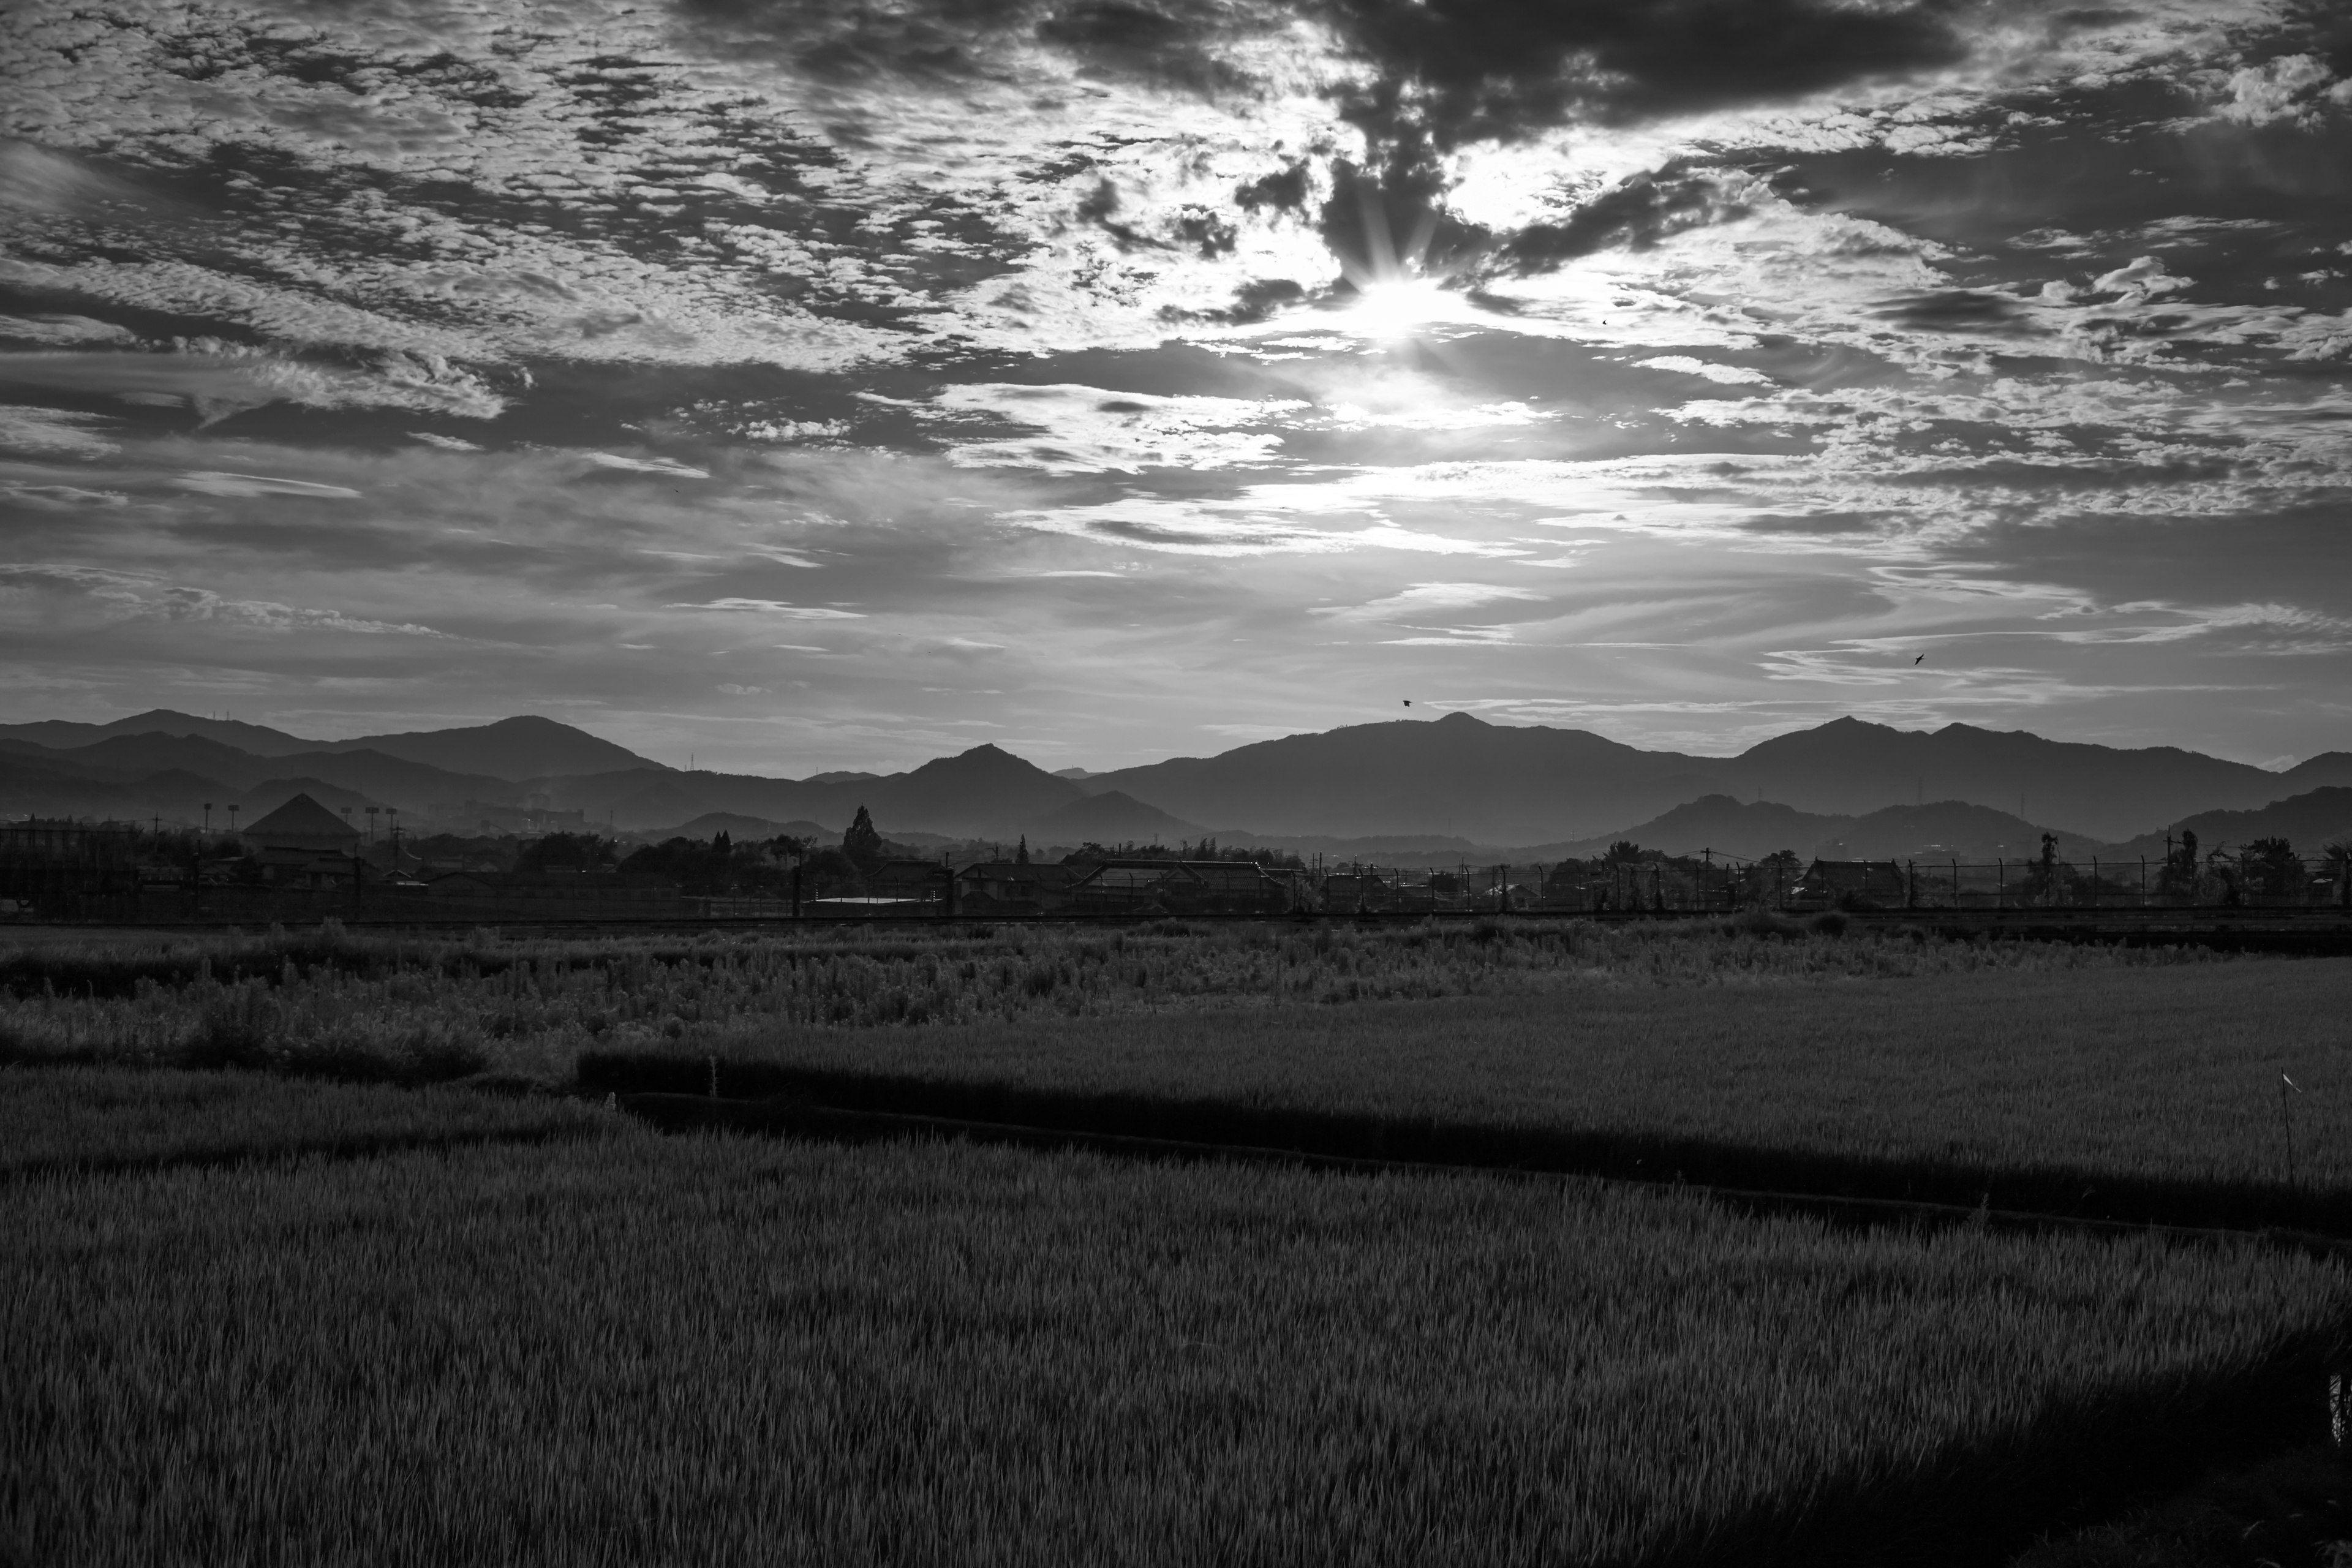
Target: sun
[[1398, 306]]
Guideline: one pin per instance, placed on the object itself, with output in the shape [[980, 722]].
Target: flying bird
[[1408, 701], [1920, 660]]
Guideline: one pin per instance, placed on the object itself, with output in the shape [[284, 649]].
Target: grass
[[72, 1119], [330, 1001], [2026, 1088], [637, 1350]]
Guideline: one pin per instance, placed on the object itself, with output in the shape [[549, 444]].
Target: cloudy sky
[[818, 384]]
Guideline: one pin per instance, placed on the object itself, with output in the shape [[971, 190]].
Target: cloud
[[1730, 374], [776, 608], [128, 595], [38, 179], [644, 466], [957, 301], [1427, 598], [61, 331], [1085, 429], [223, 379], [247, 485], [52, 432], [2281, 88]]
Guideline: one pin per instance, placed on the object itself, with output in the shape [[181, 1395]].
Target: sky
[[804, 385]]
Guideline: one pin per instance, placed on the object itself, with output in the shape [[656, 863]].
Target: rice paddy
[[341, 1309], [637, 1350]]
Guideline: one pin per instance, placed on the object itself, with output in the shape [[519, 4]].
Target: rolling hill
[[1535, 784], [1455, 780], [522, 749], [1110, 817], [2310, 822], [983, 791]]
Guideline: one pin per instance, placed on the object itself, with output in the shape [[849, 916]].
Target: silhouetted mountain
[[361, 774], [519, 749], [1456, 780], [1532, 784], [254, 739], [1457, 776], [41, 785], [2310, 822], [1752, 829], [985, 790], [2329, 770], [35, 785], [1850, 766], [1110, 817]]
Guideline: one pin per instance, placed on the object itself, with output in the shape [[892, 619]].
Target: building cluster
[[304, 858]]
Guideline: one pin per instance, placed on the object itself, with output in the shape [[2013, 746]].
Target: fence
[[1709, 885]]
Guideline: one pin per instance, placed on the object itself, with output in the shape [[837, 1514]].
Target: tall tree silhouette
[[862, 844]]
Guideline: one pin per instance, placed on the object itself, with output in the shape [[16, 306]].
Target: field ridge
[[789, 1094]]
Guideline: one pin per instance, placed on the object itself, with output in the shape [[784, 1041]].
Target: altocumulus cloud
[[1145, 348]]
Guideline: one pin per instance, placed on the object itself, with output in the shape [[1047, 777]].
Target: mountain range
[[1535, 784], [1458, 780]]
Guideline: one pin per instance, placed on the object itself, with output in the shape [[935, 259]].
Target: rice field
[[2020, 1090], [634, 1350], [75, 1119], [330, 1002]]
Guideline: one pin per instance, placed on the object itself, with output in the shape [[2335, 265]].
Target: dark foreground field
[[622, 1348], [251, 1313]]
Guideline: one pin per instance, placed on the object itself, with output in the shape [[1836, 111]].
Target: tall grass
[[351, 1005], [689, 1350]]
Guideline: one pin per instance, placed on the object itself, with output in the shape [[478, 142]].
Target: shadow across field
[[793, 1117], [2079, 1464], [790, 1099]]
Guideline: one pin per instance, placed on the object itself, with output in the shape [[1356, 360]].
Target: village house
[[1182, 887], [1013, 888], [922, 882], [302, 845], [1346, 892]]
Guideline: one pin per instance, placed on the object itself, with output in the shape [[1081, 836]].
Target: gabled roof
[[1128, 879], [1228, 876], [301, 817], [1044, 873]]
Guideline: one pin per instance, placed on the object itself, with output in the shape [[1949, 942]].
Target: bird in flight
[[1921, 658], [1408, 701]]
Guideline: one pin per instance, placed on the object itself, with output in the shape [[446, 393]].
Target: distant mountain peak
[[1459, 719]]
